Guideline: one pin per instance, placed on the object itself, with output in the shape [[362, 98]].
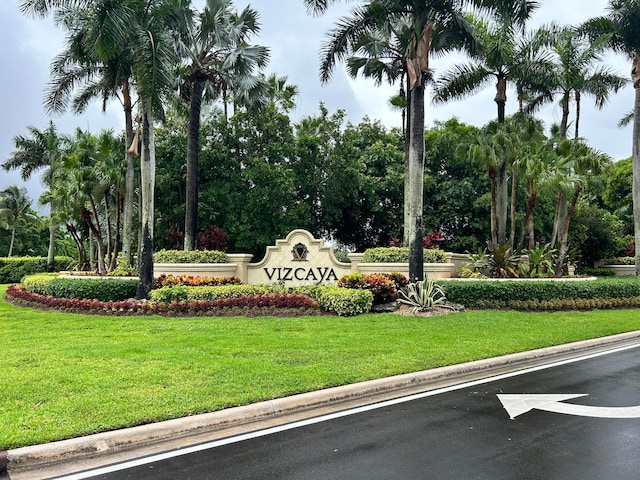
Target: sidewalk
[[78, 454]]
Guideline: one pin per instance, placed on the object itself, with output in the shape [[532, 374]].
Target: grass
[[64, 375]]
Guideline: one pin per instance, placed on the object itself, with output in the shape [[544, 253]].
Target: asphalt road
[[463, 432]]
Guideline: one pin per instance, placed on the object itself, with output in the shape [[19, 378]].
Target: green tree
[[432, 26], [621, 23], [577, 72], [220, 59], [14, 205], [90, 67], [38, 150]]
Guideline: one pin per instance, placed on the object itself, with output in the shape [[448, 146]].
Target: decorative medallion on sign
[[300, 251]]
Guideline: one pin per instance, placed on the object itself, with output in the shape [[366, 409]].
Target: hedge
[[38, 283], [342, 301], [13, 269], [104, 289], [193, 256], [186, 293], [401, 255], [510, 293]]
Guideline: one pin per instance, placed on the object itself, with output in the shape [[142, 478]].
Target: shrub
[[186, 293], [597, 272], [343, 301], [193, 256], [38, 282], [165, 280], [401, 255], [13, 269], [496, 294], [380, 285], [620, 261], [104, 288]]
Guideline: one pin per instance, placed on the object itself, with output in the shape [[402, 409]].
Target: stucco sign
[[298, 259]]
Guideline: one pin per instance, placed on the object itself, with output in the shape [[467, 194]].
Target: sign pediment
[[298, 259]]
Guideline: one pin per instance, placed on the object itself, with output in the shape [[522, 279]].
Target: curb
[[73, 455]]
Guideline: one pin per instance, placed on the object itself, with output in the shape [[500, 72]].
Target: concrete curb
[[46, 460]]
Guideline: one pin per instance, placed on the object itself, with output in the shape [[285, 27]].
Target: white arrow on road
[[517, 404]]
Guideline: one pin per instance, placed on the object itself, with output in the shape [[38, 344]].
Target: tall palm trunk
[[147, 190], [13, 238], [576, 134], [52, 239], [407, 185], [501, 97], [191, 214], [635, 159], [564, 237], [416, 181], [130, 181], [564, 123]]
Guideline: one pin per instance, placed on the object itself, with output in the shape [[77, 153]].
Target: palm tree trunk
[[416, 180], [502, 188], [13, 238], [191, 214], [564, 123], [501, 97], [576, 135], [147, 190], [635, 159], [564, 243], [494, 210], [130, 181], [514, 191], [407, 184]]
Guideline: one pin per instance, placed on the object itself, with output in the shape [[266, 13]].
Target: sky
[[295, 38]]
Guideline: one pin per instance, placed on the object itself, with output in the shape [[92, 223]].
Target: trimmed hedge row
[[345, 302], [490, 294], [13, 269], [183, 293], [401, 255], [194, 256], [104, 288]]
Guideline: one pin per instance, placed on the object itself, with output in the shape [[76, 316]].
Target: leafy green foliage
[[493, 294], [187, 293], [13, 269], [343, 301], [103, 288], [422, 295], [541, 260], [38, 282], [502, 262], [401, 255], [194, 256]]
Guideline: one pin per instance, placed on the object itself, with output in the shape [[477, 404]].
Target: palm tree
[[149, 29], [503, 55], [220, 59], [14, 204], [576, 72], [433, 26], [40, 149], [585, 163], [89, 69], [621, 24]]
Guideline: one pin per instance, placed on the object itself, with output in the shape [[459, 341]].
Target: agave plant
[[422, 295]]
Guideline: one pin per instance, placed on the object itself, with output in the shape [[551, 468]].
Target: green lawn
[[63, 375]]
